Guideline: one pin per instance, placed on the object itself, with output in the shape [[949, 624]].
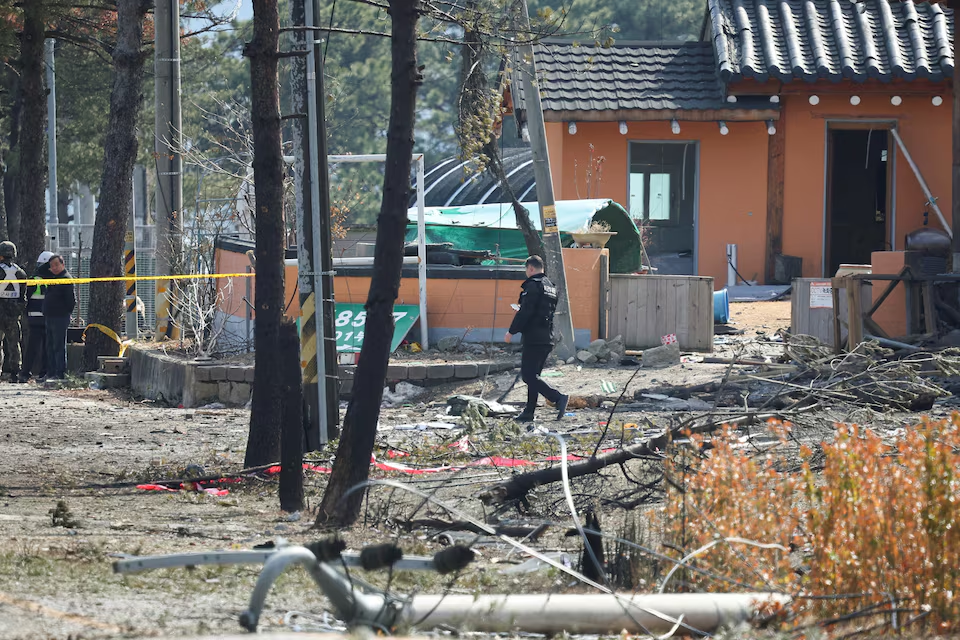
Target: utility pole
[[563, 321], [317, 341], [52, 216], [131, 325], [168, 129]]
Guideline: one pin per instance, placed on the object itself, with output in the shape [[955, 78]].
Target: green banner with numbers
[[351, 318]]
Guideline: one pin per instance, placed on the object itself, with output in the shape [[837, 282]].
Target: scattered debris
[[448, 343], [486, 408], [61, 516], [536, 564], [664, 356], [403, 392], [425, 426], [471, 416], [531, 532]]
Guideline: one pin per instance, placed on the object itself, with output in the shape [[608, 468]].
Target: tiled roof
[[831, 39], [654, 76], [645, 76]]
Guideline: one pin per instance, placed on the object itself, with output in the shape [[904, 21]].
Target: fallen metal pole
[[923, 183], [589, 613], [357, 608], [894, 344]]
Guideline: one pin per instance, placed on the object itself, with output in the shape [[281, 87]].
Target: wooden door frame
[[841, 125]]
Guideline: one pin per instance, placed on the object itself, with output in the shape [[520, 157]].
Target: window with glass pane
[[638, 207], [662, 182], [659, 204]]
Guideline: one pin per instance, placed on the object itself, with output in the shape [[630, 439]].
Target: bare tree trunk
[[291, 438], [474, 96], [11, 157], [531, 236], [352, 465], [63, 206], [116, 194], [263, 442], [29, 227]]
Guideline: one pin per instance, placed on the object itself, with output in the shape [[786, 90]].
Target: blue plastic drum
[[721, 307]]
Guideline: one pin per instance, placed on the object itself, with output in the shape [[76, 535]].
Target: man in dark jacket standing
[[538, 302], [13, 300], [58, 305], [36, 355]]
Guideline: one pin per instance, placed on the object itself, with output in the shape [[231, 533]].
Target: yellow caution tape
[[190, 276], [110, 333]]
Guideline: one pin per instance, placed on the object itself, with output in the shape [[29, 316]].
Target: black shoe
[[525, 417], [562, 406]]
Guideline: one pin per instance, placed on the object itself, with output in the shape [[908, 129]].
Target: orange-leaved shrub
[[880, 518]]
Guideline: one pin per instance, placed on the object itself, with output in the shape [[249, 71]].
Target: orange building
[[785, 130]]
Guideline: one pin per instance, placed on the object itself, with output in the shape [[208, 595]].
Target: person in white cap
[[36, 354]]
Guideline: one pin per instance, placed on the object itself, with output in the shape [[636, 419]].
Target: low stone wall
[[157, 376]]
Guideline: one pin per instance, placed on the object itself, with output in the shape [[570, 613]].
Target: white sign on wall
[[821, 295]]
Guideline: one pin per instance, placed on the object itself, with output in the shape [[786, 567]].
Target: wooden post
[[854, 313], [604, 296], [837, 338], [776, 172]]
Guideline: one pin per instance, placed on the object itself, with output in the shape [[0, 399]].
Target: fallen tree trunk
[[519, 485]]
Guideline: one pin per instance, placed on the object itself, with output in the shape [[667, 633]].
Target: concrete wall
[[477, 310]]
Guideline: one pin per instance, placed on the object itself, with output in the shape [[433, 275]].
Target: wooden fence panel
[[644, 308]]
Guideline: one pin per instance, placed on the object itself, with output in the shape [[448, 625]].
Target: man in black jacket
[[35, 359], [538, 302], [58, 305]]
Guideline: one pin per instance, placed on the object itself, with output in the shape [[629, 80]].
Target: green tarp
[[484, 227]]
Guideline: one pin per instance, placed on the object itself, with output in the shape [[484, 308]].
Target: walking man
[[538, 302], [58, 306], [13, 300], [35, 359]]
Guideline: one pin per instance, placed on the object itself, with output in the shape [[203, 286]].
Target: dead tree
[[352, 464], [476, 116], [291, 438], [263, 441], [11, 182], [29, 226], [120, 154]]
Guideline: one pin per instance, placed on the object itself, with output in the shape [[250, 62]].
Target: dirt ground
[[65, 445]]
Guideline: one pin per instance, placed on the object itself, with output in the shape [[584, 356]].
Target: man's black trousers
[[532, 359]]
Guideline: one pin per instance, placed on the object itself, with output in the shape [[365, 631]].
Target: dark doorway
[[662, 197], [858, 201]]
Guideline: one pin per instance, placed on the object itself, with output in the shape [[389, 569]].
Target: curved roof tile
[[831, 40]]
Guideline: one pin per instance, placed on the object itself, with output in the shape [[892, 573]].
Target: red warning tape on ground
[[462, 445]]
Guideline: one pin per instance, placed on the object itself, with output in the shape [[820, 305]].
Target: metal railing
[[80, 236]]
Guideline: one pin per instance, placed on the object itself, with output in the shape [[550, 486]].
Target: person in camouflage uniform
[[13, 300]]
